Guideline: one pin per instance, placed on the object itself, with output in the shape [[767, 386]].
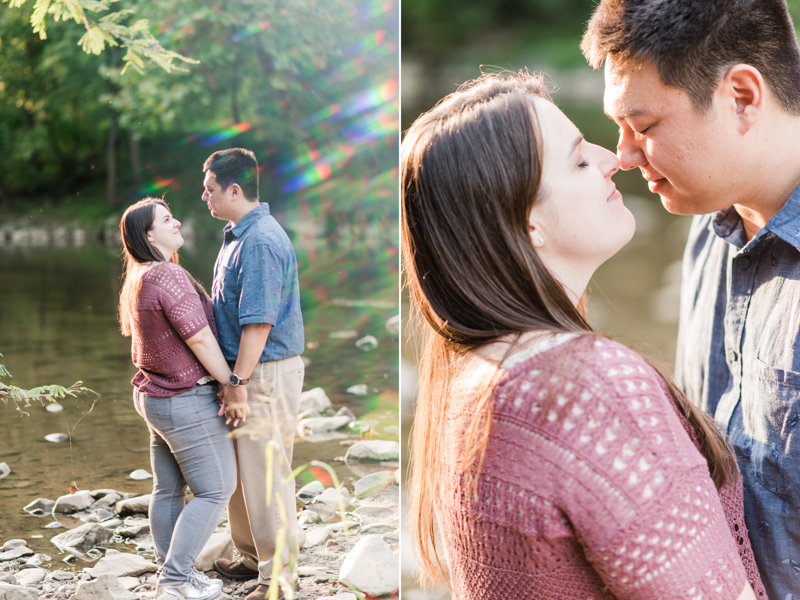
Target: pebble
[[367, 343], [16, 553], [360, 389], [31, 576], [54, 407], [372, 484], [140, 475], [15, 543], [40, 506], [56, 437], [132, 506], [4, 469]]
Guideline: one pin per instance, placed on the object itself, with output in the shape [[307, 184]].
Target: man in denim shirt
[[707, 98], [257, 309]]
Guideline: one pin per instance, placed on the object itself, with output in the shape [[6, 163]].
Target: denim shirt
[[739, 358], [255, 281]]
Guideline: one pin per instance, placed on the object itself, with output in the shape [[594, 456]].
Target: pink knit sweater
[[590, 488], [169, 312]]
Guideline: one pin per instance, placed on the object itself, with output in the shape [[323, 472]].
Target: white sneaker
[[199, 587]]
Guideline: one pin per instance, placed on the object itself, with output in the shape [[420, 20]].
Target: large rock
[[85, 536], [132, 506], [15, 543], [315, 400], [15, 553], [122, 565], [373, 451], [17, 592], [107, 502], [219, 545], [71, 503], [105, 587], [371, 568], [30, 576], [40, 506], [372, 484]]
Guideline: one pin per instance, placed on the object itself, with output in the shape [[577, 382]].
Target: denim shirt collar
[[783, 224], [243, 225]]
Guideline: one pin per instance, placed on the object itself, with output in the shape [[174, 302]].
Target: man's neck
[[246, 207]]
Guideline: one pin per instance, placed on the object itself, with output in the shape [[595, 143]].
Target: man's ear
[[744, 86], [236, 191]]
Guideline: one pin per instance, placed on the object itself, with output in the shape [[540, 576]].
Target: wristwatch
[[235, 380]]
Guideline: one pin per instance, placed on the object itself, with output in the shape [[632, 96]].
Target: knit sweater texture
[[591, 486], [169, 311]]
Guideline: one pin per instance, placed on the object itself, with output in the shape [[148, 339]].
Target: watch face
[[234, 380]]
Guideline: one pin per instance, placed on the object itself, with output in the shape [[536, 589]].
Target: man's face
[[686, 156], [218, 201]]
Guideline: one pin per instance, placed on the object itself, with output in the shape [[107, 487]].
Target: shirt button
[[744, 263]]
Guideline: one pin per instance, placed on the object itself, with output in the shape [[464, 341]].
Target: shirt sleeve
[[180, 302], [262, 274]]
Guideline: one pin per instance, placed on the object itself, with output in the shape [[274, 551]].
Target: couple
[[557, 462], [239, 348]]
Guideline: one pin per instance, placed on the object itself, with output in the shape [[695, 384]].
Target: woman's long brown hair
[[137, 253], [470, 173]]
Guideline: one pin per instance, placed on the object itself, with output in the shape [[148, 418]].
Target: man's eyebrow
[[626, 113]]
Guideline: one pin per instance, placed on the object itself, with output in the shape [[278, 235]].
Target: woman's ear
[[535, 230]]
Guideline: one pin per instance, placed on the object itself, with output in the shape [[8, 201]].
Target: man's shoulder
[[266, 231]]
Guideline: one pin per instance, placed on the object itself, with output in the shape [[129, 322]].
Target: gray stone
[[373, 451], [219, 545], [122, 565], [392, 537], [129, 583], [56, 438], [8, 578], [97, 494], [40, 506], [16, 553], [17, 592], [140, 475], [340, 596], [4, 469], [112, 523], [107, 502], [360, 389], [328, 502], [307, 517], [310, 491], [372, 484], [73, 502], [132, 506], [317, 536], [15, 543], [62, 576], [342, 525], [31, 576], [323, 424], [132, 532], [393, 325], [371, 568], [105, 587], [85, 536], [315, 399]]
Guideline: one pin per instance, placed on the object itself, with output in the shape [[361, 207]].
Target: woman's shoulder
[[165, 272]]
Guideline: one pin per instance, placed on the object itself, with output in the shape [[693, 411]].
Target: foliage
[[111, 29], [43, 394]]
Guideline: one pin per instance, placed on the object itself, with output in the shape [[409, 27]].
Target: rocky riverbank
[[102, 548]]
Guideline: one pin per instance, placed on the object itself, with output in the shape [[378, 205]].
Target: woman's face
[[165, 233], [578, 220]]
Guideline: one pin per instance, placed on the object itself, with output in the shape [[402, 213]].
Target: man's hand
[[233, 404]]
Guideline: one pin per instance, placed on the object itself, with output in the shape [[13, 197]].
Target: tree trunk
[[136, 158], [111, 160]]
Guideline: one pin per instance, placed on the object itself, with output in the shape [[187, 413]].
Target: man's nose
[[629, 152]]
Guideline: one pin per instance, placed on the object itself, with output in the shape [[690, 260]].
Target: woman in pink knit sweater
[[557, 463], [170, 320]]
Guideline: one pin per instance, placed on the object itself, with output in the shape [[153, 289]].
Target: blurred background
[[312, 88], [634, 296]]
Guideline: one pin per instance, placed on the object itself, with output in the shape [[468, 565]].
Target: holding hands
[[233, 403]]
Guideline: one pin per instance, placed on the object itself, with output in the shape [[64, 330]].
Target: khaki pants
[[273, 395]]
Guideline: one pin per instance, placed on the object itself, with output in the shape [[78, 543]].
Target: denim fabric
[[255, 281], [739, 358], [189, 445]]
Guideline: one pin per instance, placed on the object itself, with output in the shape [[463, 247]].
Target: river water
[[58, 326]]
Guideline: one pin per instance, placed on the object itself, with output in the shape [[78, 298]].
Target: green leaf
[[95, 39], [39, 17]]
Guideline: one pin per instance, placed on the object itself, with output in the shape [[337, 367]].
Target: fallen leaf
[[73, 488]]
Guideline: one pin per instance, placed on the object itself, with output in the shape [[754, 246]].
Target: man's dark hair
[[235, 165], [692, 43]]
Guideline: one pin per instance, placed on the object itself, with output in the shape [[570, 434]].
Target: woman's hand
[[233, 403]]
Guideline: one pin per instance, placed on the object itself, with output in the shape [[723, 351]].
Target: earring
[[538, 241]]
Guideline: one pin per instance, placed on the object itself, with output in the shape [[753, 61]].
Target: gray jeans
[[189, 445]]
